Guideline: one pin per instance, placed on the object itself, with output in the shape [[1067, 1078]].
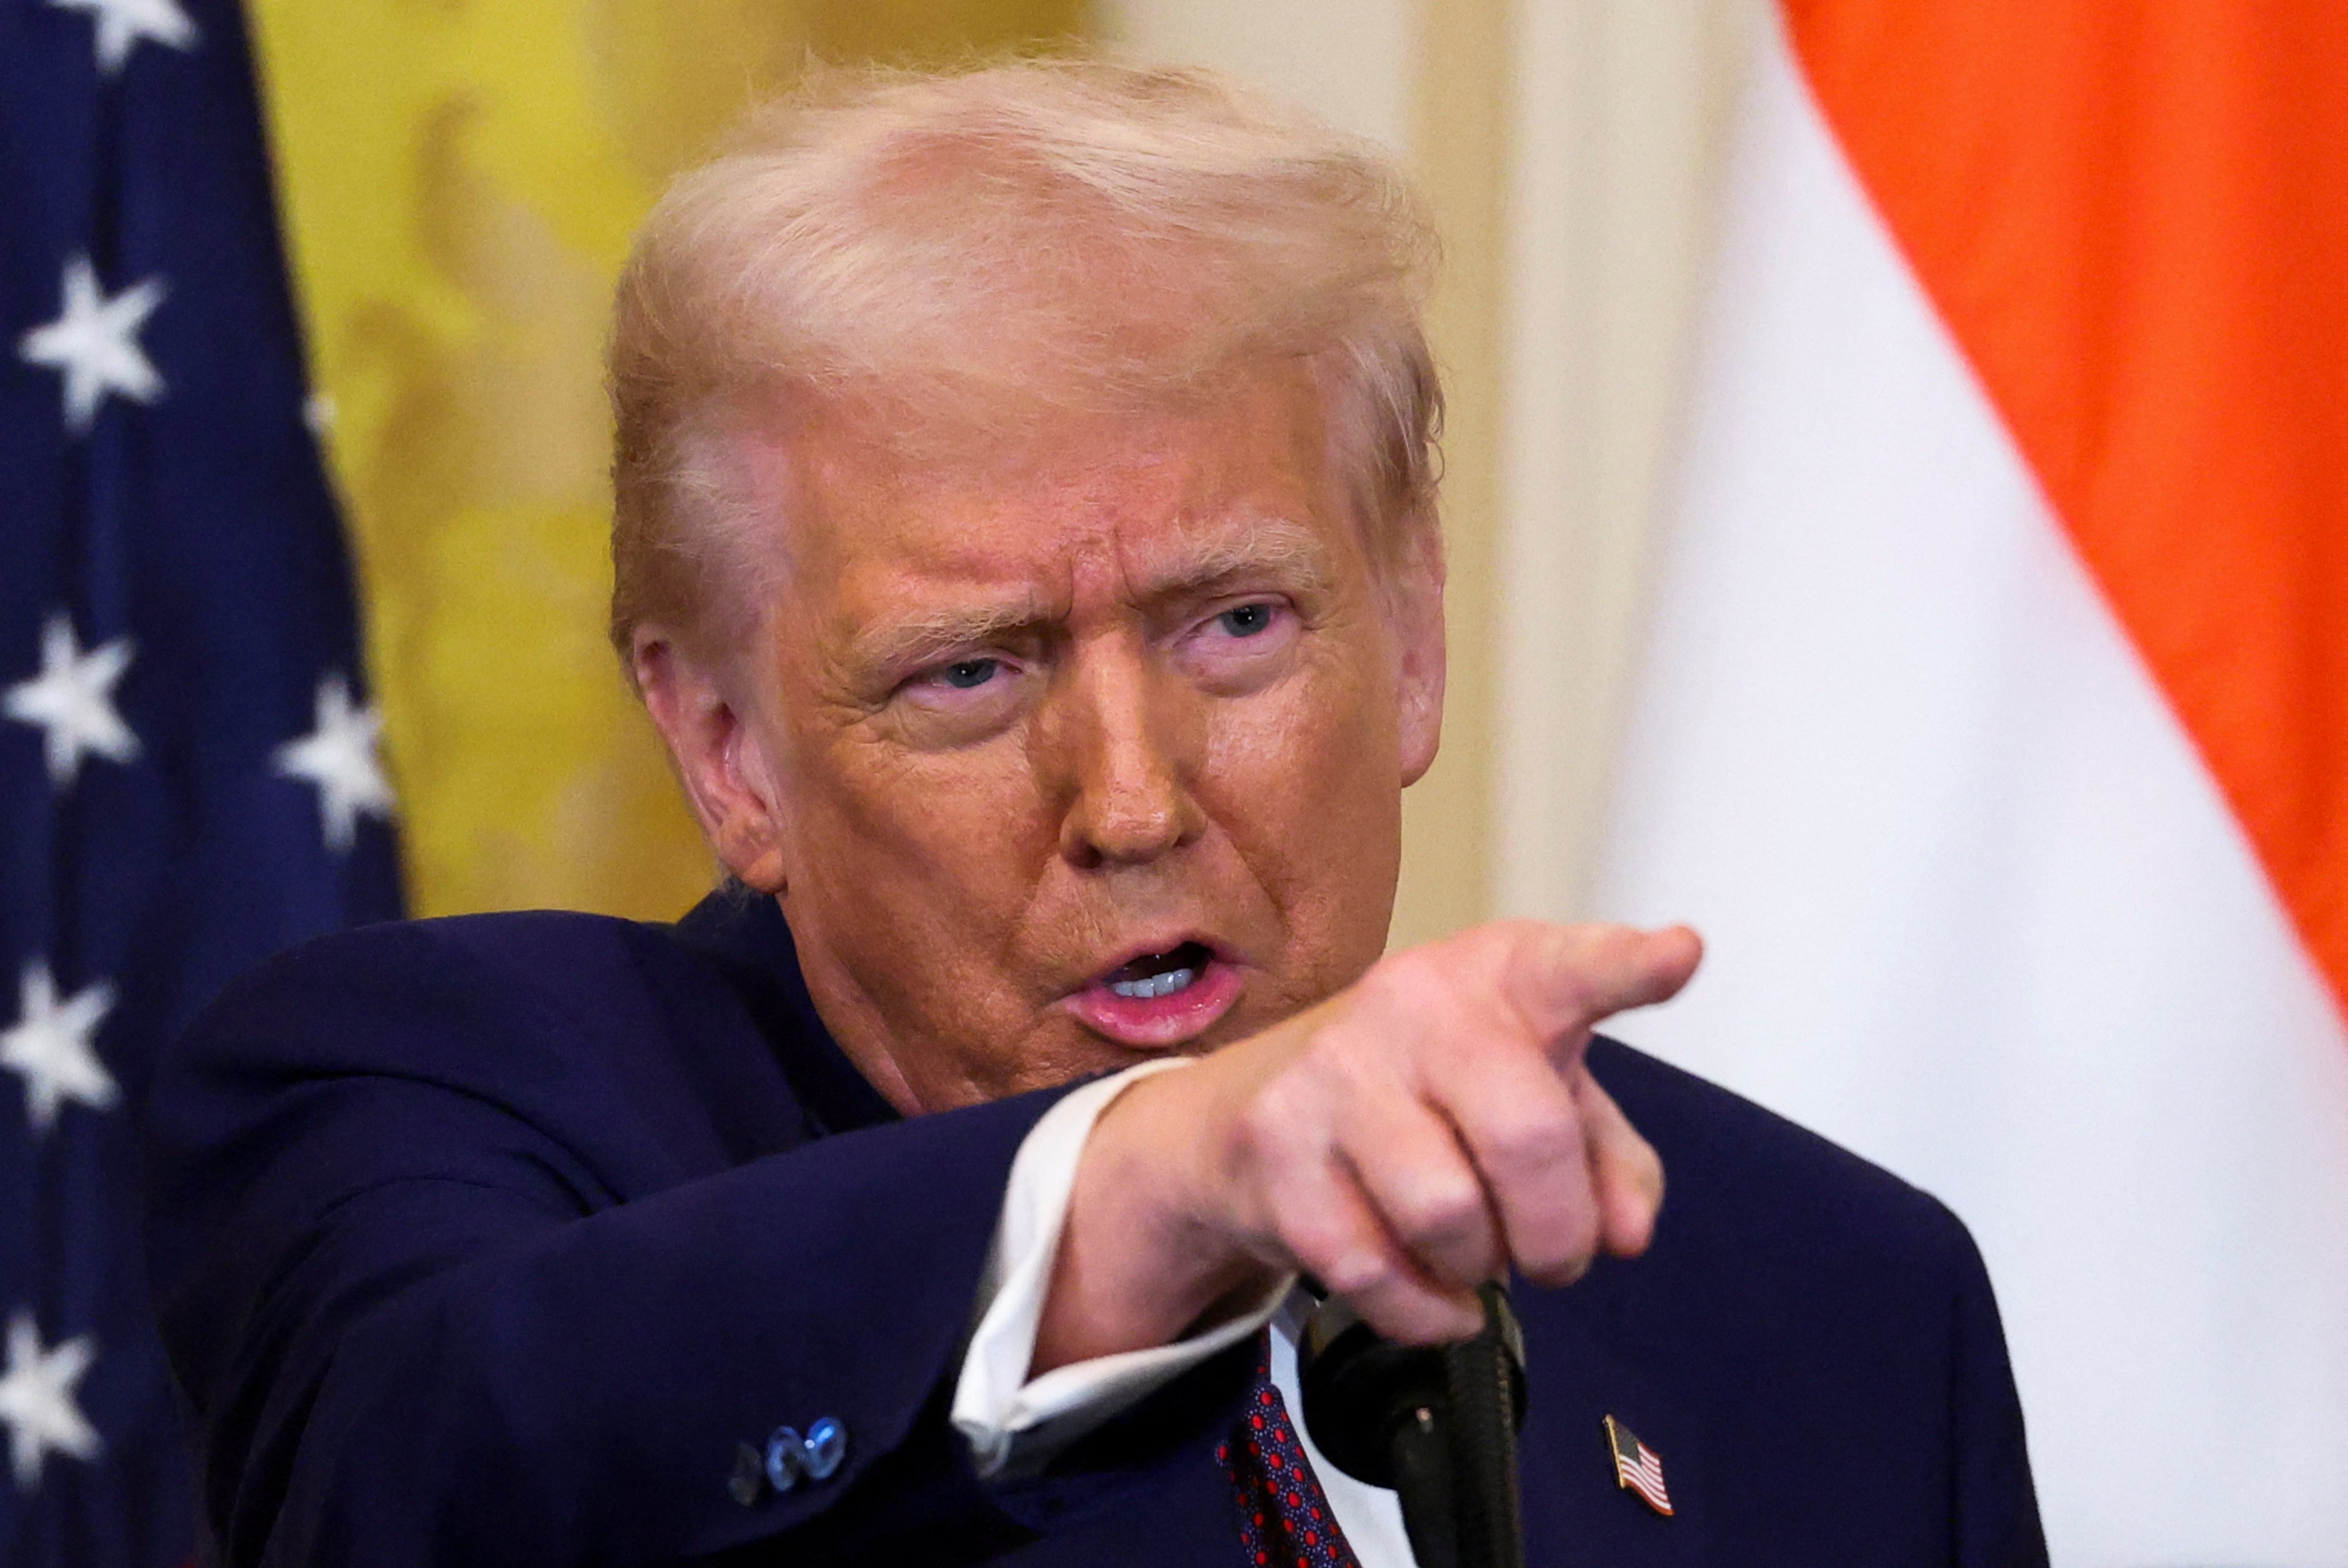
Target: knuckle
[[1414, 983], [1331, 1053], [1562, 1245], [1578, 1230], [1443, 1211], [1356, 1063], [1519, 1148], [1350, 1273], [1269, 1141], [1606, 939], [1259, 1127], [1590, 949], [1280, 1111], [1572, 988], [1306, 1232]]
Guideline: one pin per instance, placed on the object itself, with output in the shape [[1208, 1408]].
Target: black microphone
[[1435, 1423]]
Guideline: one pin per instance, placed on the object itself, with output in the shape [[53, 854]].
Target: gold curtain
[[459, 179]]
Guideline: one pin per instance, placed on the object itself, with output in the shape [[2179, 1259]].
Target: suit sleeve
[[418, 1324]]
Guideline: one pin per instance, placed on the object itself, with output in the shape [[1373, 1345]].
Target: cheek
[[1307, 783], [912, 879], [956, 830], [1325, 739], [890, 854]]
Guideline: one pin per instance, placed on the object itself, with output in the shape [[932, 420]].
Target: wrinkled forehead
[[1243, 465]]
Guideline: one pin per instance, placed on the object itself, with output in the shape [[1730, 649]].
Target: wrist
[[1143, 1259]]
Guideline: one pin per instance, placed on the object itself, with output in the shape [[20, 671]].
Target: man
[[1026, 542]]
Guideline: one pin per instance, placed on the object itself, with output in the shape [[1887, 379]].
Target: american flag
[[1637, 1466], [188, 768]]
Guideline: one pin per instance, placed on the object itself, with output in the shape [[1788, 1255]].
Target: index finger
[[1565, 979]]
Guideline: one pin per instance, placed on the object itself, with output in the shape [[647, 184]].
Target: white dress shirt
[[1015, 1424]]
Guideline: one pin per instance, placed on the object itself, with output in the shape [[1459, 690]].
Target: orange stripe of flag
[[2133, 216]]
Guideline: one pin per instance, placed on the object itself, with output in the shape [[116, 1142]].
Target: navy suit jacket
[[489, 1240]]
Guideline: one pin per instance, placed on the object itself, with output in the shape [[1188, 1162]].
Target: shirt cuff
[[1016, 1424]]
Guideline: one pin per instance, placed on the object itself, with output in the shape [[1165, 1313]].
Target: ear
[[718, 756], [1414, 597]]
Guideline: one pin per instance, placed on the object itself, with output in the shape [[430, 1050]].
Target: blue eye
[[966, 675], [1247, 620]]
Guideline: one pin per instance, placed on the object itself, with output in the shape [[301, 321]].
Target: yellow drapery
[[459, 179]]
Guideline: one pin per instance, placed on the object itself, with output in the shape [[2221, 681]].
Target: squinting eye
[[1247, 620], [965, 674]]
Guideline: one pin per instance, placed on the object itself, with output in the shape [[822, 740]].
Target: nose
[[1129, 741]]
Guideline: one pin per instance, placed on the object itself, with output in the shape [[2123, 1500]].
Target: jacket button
[[749, 1473], [827, 1445], [786, 1459]]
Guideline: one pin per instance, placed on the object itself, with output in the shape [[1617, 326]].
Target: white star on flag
[[319, 413], [37, 1400], [338, 757], [122, 22], [49, 1046], [94, 342], [72, 699]]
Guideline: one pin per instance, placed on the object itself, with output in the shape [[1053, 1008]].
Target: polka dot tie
[[1285, 1519]]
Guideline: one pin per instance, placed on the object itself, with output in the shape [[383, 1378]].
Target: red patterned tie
[[1285, 1519]]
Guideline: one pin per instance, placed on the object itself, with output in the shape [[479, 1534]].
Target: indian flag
[[1994, 719]]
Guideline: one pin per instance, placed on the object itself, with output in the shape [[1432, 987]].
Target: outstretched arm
[[1408, 1138]]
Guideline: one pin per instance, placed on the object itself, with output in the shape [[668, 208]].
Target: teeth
[[1154, 986]]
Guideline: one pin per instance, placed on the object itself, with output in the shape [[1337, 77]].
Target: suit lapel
[[1577, 1512]]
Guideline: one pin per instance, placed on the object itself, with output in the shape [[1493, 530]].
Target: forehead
[[1242, 471]]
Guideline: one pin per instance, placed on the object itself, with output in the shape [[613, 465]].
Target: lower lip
[[1160, 1021]]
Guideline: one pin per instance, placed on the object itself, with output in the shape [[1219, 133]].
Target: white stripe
[[1974, 909], [1643, 1467]]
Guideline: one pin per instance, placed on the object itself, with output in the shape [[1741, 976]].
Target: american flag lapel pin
[[1637, 1467]]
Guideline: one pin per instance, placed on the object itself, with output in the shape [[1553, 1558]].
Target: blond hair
[[966, 250]]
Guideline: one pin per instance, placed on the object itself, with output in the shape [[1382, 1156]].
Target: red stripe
[[1647, 1478], [1653, 1494]]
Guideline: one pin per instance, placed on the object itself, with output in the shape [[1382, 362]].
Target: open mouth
[[1160, 999], [1155, 975]]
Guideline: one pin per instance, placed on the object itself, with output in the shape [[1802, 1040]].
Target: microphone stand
[[1436, 1424]]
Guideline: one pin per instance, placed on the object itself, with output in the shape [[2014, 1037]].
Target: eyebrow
[[1276, 547], [918, 639]]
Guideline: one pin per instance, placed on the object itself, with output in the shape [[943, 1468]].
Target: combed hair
[[977, 250]]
